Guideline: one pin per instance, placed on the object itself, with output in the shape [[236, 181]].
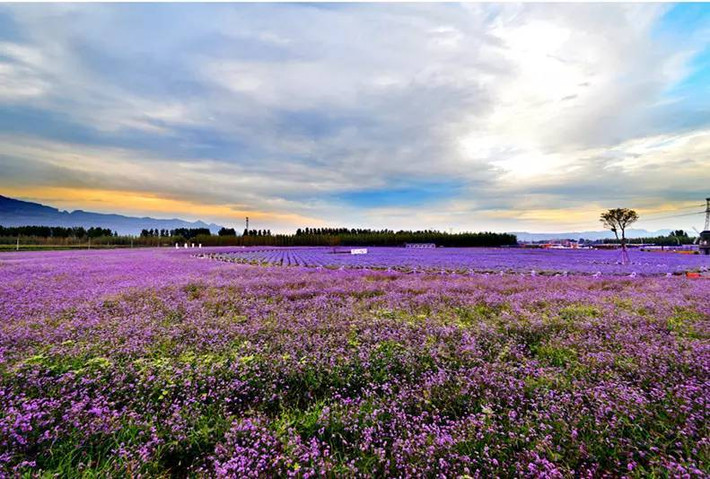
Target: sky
[[502, 117]]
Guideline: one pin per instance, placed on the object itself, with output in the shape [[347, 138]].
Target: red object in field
[[693, 275]]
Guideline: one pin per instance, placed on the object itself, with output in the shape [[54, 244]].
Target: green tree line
[[56, 231], [58, 236], [185, 233], [677, 237], [358, 237], [41, 235]]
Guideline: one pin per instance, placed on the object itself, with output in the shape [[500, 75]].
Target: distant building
[[419, 245]]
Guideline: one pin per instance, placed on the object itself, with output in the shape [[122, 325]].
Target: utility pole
[[703, 239], [18, 243]]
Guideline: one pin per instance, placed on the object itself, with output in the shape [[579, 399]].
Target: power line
[[675, 210], [673, 216], [696, 205]]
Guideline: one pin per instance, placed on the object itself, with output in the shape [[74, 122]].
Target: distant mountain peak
[[14, 212]]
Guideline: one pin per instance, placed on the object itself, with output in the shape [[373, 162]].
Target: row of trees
[[256, 233], [45, 235], [675, 238], [232, 232], [56, 232], [343, 231], [185, 233], [362, 237], [391, 238], [94, 236]]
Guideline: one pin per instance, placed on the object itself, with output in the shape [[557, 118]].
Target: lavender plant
[[160, 363]]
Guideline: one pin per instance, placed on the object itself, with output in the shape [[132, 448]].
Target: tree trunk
[[624, 252]]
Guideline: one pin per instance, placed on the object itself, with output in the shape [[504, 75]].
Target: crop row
[[470, 260]]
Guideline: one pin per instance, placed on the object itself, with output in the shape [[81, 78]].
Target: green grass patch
[[557, 356], [683, 322], [577, 312]]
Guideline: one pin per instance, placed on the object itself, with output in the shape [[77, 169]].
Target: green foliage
[[55, 231], [359, 237], [56, 236], [557, 356], [226, 232], [618, 219], [577, 312], [683, 322], [194, 290], [479, 313]]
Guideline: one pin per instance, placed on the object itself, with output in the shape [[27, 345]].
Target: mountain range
[[25, 213], [588, 235]]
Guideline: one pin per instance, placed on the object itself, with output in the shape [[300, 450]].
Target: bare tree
[[617, 220]]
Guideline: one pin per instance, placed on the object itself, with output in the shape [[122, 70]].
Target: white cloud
[[16, 84], [296, 104], [19, 76]]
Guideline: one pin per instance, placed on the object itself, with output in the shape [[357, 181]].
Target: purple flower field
[[478, 260], [155, 362]]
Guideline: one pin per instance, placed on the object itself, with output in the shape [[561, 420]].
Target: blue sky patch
[[414, 194]]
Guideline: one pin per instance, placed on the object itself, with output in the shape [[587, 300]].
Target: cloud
[[358, 114], [19, 76]]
